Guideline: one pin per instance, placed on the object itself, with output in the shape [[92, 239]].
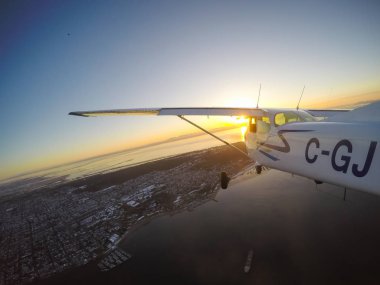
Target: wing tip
[[80, 114]]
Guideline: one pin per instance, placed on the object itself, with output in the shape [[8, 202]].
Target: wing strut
[[214, 136]]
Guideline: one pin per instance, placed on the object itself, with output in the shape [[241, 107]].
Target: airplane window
[[266, 120], [287, 117], [279, 119], [252, 125], [259, 124]]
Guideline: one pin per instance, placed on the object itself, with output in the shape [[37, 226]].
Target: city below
[[72, 223]]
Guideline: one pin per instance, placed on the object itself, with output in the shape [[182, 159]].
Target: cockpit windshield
[[283, 118]]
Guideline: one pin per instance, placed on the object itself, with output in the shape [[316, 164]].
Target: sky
[[62, 56]]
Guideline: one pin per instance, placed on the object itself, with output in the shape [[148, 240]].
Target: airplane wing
[[174, 112]]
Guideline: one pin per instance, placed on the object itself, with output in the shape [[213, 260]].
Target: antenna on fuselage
[[299, 101], [258, 98]]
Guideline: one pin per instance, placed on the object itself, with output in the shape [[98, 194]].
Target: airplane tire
[[259, 168], [224, 180]]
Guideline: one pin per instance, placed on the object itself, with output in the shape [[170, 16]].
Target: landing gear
[[259, 168], [224, 180]]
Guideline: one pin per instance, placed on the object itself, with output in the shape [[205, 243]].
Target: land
[[54, 229]]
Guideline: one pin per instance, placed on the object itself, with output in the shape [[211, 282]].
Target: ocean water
[[299, 234]]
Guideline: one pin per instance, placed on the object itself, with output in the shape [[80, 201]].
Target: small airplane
[[334, 146]]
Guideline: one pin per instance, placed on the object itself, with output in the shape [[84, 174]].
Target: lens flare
[[243, 130]]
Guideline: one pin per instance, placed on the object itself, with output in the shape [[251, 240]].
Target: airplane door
[[258, 131]]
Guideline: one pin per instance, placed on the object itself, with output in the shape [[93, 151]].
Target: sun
[[237, 120]]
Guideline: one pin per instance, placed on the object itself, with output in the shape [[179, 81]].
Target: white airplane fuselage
[[341, 153]]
